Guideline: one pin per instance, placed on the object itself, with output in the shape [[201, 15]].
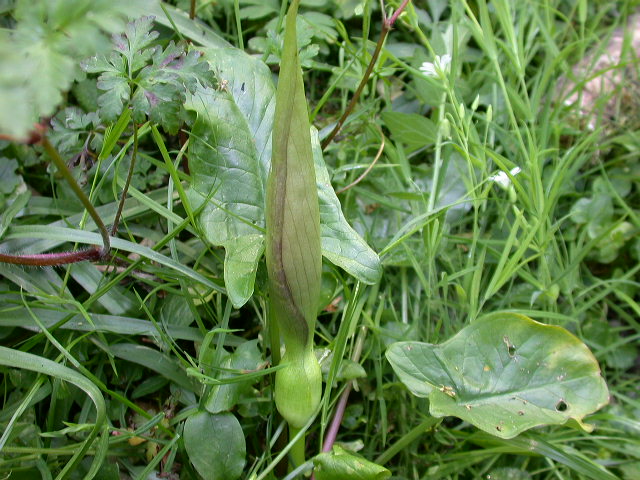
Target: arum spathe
[[293, 251]]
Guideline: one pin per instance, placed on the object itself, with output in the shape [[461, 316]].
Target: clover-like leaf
[[504, 373]]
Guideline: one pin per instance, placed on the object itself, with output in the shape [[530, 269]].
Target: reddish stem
[[90, 254], [53, 259], [332, 433], [387, 25]]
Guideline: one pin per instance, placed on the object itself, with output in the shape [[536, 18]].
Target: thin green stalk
[[236, 11], [406, 440], [297, 454], [134, 154], [387, 25], [68, 176], [294, 438], [437, 162]]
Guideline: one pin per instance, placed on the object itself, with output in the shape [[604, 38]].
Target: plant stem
[[52, 259], [296, 454], [64, 258], [134, 155], [192, 10], [68, 176], [368, 169], [236, 11], [332, 433], [406, 440], [387, 25]]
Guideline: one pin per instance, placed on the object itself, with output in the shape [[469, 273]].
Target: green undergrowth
[[483, 192]]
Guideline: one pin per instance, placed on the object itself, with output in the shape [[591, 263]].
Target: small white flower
[[503, 179], [441, 64]]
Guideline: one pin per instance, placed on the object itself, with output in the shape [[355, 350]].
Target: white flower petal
[[444, 61], [502, 179], [429, 69], [439, 65]]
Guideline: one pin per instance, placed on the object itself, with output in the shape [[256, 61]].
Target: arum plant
[[293, 250]]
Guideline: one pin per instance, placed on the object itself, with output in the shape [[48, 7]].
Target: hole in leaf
[[562, 406], [511, 348]]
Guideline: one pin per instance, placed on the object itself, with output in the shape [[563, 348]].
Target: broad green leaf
[[504, 373], [340, 464], [250, 84], [242, 124], [341, 244], [414, 130], [215, 445], [223, 161], [229, 156]]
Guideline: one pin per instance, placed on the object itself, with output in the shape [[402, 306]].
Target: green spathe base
[[298, 388]]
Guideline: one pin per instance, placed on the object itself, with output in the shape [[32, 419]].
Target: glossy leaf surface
[[504, 373], [229, 159], [223, 162], [215, 445], [341, 244], [340, 464]]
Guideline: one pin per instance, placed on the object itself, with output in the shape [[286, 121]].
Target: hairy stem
[[64, 258], [387, 25], [90, 254], [68, 176], [53, 259]]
